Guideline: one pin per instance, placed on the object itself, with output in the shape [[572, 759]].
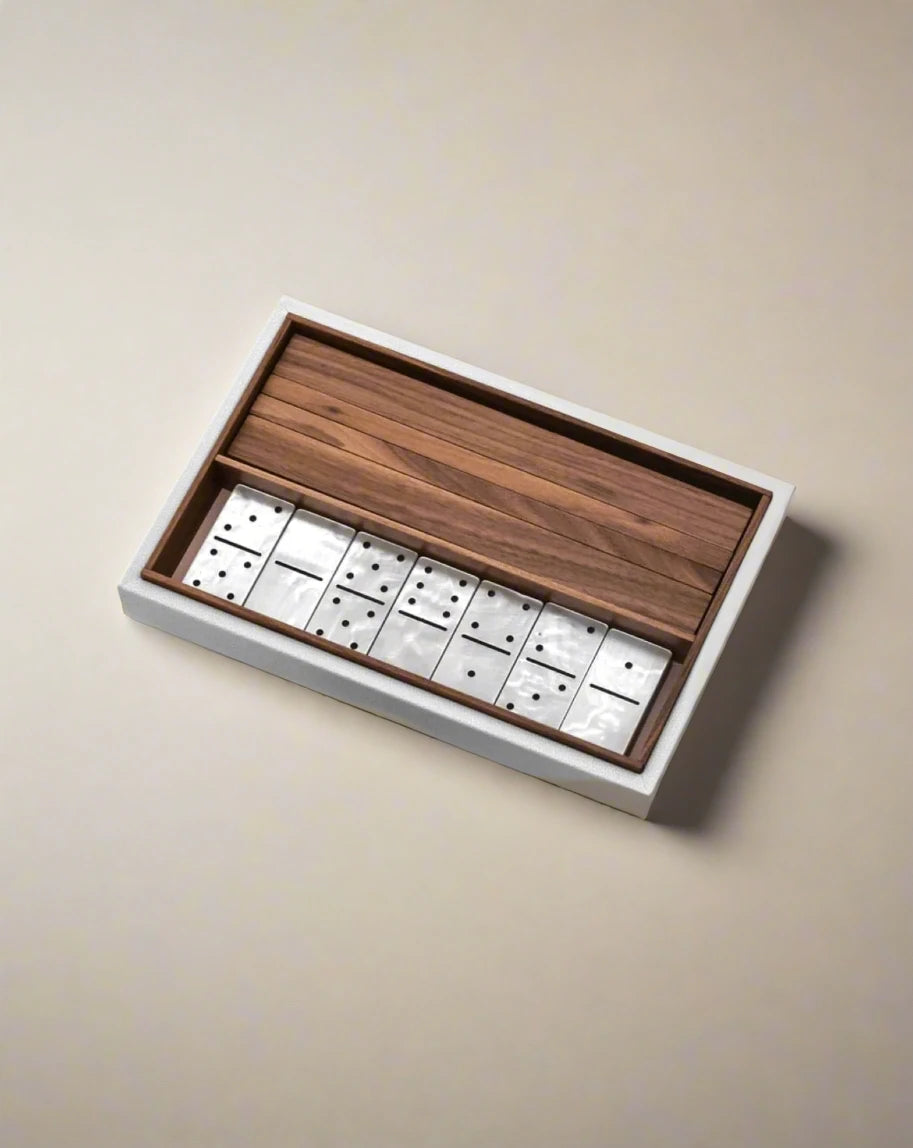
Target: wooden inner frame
[[483, 480]]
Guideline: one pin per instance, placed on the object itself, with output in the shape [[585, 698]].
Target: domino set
[[495, 566], [481, 639]]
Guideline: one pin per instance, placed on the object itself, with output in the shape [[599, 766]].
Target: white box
[[361, 685]]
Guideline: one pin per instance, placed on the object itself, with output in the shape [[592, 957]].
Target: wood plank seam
[[607, 477], [595, 510], [481, 490]]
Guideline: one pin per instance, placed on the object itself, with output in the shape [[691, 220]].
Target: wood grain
[[496, 434], [479, 485], [468, 385], [451, 516], [525, 482]]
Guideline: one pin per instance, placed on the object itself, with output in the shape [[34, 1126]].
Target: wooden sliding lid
[[602, 520]]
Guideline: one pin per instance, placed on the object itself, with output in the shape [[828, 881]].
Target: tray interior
[[483, 480]]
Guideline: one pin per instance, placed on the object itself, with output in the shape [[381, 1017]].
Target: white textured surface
[[357, 600], [238, 544], [299, 569], [424, 616], [236, 912], [488, 639], [551, 665], [623, 678]]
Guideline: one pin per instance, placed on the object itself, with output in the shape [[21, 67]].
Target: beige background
[[235, 913]]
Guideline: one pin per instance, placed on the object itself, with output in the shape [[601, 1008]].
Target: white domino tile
[[361, 592], [239, 543], [485, 645], [551, 665], [611, 703], [424, 616], [300, 567]]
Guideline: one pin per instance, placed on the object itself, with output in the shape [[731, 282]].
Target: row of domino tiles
[[548, 663]]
